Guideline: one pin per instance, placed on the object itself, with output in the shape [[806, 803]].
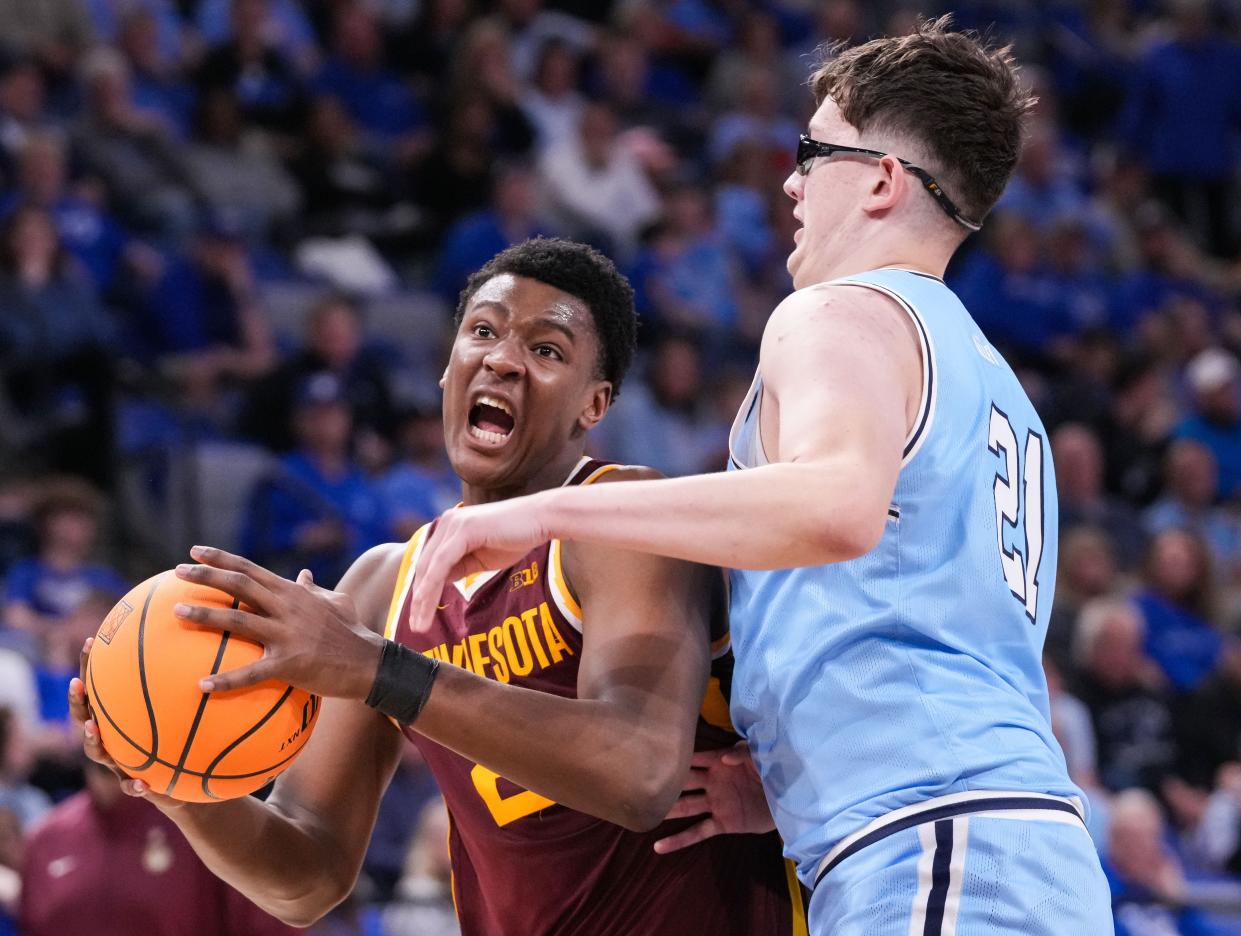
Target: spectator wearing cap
[[334, 343], [1212, 377], [318, 511]]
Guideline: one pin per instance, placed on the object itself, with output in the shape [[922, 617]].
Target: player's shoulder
[[830, 302], [835, 318], [386, 557]]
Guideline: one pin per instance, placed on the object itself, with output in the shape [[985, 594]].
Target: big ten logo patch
[[524, 578], [112, 623]]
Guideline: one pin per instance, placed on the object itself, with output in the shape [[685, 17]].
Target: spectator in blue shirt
[[1008, 290], [45, 589], [1183, 112], [357, 73], [476, 238], [685, 274], [1212, 377], [1177, 603], [422, 484], [158, 86], [85, 228], [318, 511], [202, 322]]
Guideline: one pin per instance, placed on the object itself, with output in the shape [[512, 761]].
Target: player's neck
[[925, 255], [551, 475]]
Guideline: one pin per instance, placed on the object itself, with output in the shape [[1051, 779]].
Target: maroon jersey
[[527, 866]]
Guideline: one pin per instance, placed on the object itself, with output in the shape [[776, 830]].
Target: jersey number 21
[[1020, 571]]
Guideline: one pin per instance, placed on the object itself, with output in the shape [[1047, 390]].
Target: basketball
[[142, 682]]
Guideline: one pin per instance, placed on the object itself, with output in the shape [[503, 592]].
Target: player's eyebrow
[[548, 321], [489, 303]]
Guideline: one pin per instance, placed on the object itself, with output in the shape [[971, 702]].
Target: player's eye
[[549, 351], [483, 331]]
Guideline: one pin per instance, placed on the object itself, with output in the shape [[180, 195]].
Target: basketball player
[[890, 518], [577, 679]]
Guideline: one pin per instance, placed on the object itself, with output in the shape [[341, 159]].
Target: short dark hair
[[950, 91], [581, 271]]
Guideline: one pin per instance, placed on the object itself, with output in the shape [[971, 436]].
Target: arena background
[[232, 236]]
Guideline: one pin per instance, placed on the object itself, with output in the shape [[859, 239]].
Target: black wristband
[[402, 682]]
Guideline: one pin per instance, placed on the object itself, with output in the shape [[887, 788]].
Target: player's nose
[[793, 185], [504, 360]]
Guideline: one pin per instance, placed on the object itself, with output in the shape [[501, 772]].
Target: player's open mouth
[[491, 420]]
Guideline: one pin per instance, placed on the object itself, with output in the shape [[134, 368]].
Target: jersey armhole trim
[[564, 599], [930, 383], [404, 580]]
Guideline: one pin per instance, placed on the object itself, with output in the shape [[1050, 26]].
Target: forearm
[[276, 861], [777, 516], [596, 756]]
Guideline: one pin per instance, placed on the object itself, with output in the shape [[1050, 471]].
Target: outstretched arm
[[618, 751], [842, 370]]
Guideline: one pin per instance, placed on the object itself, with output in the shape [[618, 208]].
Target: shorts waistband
[[1014, 805]]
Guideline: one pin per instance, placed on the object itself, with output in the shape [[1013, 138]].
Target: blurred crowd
[[232, 233]]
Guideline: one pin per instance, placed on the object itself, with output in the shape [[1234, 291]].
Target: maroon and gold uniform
[[527, 866]]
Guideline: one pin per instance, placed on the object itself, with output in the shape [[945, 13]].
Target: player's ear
[[596, 405], [889, 185]]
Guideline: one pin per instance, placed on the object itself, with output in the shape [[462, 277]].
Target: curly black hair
[[583, 272]]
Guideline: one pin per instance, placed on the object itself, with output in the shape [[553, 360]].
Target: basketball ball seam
[[142, 675], [206, 776], [198, 716], [155, 759]]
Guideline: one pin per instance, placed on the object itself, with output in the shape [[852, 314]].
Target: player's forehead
[[827, 125], [521, 300]]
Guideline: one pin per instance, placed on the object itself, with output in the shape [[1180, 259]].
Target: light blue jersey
[[913, 673]]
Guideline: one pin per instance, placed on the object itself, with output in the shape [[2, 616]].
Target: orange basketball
[[142, 682]]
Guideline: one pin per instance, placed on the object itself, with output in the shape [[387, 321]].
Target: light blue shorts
[[960, 866]]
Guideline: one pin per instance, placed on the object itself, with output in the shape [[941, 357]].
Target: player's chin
[[484, 465]]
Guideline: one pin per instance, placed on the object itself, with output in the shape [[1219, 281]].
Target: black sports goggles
[[808, 149]]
